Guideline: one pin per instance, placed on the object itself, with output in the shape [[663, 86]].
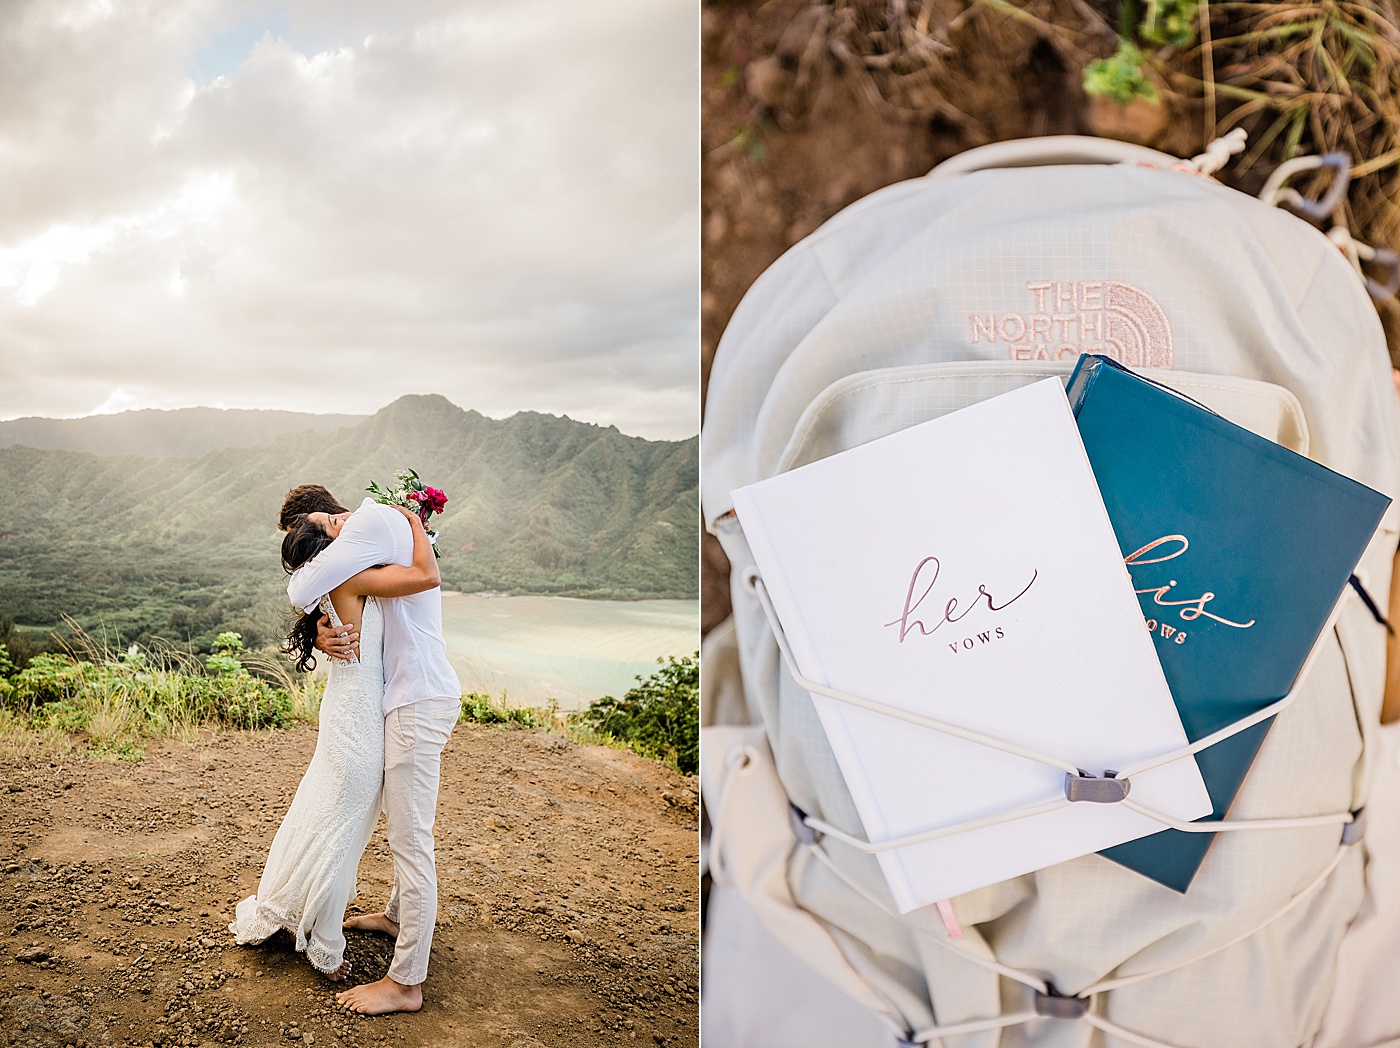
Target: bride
[[309, 876]]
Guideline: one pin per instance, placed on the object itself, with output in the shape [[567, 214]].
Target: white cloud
[[83, 14], [120, 401], [33, 268], [495, 202]]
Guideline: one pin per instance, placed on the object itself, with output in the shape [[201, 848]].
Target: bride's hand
[[339, 642], [413, 518]]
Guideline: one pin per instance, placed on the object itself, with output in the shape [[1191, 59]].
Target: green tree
[[660, 717]]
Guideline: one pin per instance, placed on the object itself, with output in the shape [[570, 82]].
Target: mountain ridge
[[179, 547], [166, 432]]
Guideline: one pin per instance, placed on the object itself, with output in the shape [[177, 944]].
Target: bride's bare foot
[[381, 998], [374, 922], [340, 973]]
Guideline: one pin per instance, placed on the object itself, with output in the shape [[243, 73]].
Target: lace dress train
[[309, 877]]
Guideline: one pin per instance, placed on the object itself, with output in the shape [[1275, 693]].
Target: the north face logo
[[1082, 316]]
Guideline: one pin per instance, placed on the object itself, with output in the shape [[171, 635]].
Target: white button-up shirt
[[415, 654]]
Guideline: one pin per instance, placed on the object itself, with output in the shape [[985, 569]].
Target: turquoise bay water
[[574, 651]]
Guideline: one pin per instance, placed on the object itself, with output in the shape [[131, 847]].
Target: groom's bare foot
[[374, 922], [381, 998]]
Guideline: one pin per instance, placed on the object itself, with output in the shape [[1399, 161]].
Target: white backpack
[[995, 270]]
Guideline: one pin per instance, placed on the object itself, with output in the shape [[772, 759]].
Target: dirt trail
[[567, 909]]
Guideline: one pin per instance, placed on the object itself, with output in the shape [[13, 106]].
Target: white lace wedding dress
[[309, 877]]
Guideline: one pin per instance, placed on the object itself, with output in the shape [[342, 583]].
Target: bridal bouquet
[[412, 494]]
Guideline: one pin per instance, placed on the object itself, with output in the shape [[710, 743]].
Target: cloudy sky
[[321, 205]]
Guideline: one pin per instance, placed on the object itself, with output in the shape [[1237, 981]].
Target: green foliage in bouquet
[[412, 494], [659, 718]]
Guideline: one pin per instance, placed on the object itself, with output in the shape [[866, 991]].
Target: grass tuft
[[480, 708], [114, 700]]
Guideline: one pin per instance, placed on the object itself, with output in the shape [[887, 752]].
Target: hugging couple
[[368, 587]]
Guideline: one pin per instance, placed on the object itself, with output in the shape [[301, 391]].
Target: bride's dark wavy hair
[[304, 539]]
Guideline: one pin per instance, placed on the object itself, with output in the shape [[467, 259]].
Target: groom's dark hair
[[304, 499]]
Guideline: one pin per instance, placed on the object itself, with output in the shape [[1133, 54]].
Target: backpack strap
[[1050, 150], [1060, 150]]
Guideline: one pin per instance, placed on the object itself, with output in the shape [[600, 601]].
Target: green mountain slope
[[180, 548], [182, 433]]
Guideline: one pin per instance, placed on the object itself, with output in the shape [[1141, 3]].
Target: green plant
[[1121, 77], [1170, 23], [485, 709], [133, 659], [47, 678], [116, 698], [224, 661], [306, 698], [659, 718], [251, 704], [112, 730], [228, 642]]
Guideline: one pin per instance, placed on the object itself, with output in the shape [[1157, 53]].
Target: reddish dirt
[[567, 910]]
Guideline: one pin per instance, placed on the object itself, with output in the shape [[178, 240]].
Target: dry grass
[[116, 700], [19, 736], [1312, 78], [111, 723]]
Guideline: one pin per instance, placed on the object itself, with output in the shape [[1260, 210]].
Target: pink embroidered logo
[[1082, 316]]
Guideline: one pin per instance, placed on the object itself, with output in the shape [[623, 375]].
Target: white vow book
[[965, 569]]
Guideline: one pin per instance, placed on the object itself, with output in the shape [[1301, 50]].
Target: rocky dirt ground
[[567, 913]]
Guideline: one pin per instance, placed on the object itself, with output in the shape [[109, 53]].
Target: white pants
[[414, 736]]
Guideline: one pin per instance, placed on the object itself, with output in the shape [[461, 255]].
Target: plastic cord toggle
[[1053, 1005], [1356, 829], [1095, 790], [798, 820]]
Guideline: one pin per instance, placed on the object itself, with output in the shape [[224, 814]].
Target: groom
[[422, 701]]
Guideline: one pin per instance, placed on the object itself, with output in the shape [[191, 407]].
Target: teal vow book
[[1238, 548]]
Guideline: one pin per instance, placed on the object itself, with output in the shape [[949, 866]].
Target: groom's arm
[[393, 580], [369, 538]]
